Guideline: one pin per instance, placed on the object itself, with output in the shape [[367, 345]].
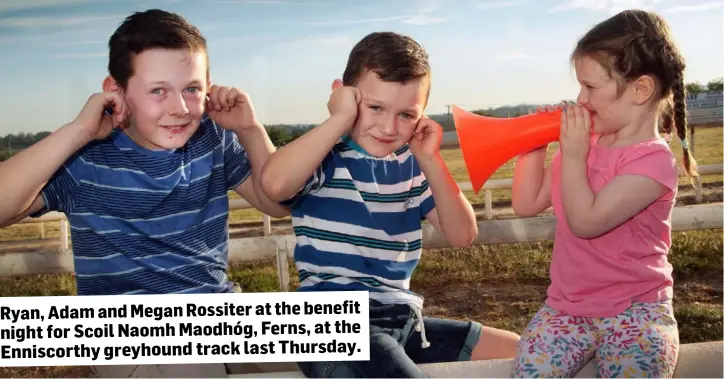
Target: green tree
[[5, 155], [695, 87], [716, 85], [278, 135], [296, 134]]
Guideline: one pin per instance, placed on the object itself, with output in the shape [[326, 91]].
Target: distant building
[[705, 108]]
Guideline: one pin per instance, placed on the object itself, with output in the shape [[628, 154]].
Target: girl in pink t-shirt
[[612, 187]]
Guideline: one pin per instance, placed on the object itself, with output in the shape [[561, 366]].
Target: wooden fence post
[[267, 224], [697, 181], [64, 235]]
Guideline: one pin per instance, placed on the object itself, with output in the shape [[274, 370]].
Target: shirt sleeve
[[655, 162], [60, 193], [315, 182], [236, 160]]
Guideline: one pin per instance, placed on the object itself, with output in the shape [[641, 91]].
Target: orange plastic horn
[[489, 142]]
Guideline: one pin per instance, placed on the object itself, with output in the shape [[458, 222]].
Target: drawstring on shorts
[[420, 326]]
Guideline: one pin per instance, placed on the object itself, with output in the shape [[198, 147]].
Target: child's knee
[[636, 363], [543, 352], [495, 344]]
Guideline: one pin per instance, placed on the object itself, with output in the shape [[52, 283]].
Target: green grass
[[499, 285]]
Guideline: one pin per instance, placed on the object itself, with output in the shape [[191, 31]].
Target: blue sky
[[285, 53]]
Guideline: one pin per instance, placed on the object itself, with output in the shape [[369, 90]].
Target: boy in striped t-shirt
[[359, 186], [144, 186]]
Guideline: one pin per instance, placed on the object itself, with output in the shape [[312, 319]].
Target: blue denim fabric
[[396, 347]]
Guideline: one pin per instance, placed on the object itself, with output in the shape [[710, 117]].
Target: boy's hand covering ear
[[231, 108], [426, 138], [102, 113], [344, 102]]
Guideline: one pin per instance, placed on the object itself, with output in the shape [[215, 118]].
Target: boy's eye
[[157, 91], [407, 115], [194, 89], [375, 107]]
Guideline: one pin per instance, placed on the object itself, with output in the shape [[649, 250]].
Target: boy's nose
[[178, 106], [389, 127]]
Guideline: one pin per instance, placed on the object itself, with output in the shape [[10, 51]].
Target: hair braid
[[679, 121]]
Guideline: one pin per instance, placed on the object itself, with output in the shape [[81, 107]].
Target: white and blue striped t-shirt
[[147, 221], [358, 223]]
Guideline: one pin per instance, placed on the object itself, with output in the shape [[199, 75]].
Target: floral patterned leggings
[[643, 341]]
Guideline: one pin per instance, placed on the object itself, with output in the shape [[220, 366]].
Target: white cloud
[[493, 4], [320, 40], [352, 21], [15, 5], [40, 21], [56, 38], [81, 42], [422, 18], [509, 56], [235, 39], [267, 2], [611, 6], [693, 7], [82, 55]]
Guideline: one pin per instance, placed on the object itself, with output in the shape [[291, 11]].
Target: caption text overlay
[[194, 328]]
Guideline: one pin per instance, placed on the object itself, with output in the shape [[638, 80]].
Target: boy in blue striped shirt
[[144, 186], [359, 186]]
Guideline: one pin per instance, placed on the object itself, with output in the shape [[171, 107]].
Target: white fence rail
[[534, 229], [266, 220]]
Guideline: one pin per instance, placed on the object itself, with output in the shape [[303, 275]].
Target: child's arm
[[288, 170], [24, 175], [453, 214], [531, 192], [259, 148], [233, 110], [643, 178]]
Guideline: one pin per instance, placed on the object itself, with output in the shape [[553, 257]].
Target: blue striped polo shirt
[[358, 224], [148, 221]]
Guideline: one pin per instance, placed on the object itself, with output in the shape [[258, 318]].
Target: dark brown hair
[[146, 30], [392, 56], [634, 43]]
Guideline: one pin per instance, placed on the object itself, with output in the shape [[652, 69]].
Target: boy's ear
[[110, 84], [336, 84]]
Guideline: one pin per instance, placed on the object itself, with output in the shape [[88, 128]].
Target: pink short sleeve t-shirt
[[602, 276]]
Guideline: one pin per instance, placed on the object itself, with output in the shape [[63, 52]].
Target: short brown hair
[[392, 56], [147, 30], [633, 43]]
